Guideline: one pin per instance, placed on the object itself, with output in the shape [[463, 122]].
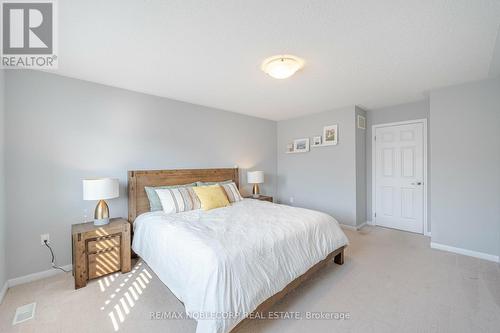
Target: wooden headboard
[[138, 202]]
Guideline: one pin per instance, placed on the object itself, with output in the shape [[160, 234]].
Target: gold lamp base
[[255, 191], [101, 214]]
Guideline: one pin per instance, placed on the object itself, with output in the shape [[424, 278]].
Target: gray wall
[[402, 112], [495, 60], [62, 130], [360, 169], [3, 271], [324, 178], [465, 166]]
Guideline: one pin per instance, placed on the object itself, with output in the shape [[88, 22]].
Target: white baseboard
[[3, 291], [348, 227], [37, 276], [353, 228], [465, 252], [362, 225], [370, 222]]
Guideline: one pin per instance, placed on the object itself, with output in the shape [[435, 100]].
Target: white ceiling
[[369, 53]]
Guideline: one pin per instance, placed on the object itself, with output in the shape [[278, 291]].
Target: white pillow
[[232, 192], [176, 200]]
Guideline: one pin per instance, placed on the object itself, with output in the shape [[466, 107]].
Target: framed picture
[[361, 122], [316, 140], [301, 145], [289, 147], [330, 135]]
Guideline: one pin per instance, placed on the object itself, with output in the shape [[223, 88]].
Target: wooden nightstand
[[100, 250], [262, 197]]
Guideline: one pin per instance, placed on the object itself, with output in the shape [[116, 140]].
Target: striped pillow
[[176, 200], [232, 192], [154, 201]]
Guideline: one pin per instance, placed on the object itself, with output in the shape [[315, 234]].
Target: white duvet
[[224, 262]]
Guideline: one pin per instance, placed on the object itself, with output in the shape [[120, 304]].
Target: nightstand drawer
[[104, 243], [104, 262]]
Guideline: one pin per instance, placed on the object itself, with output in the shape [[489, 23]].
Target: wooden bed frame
[[138, 203]]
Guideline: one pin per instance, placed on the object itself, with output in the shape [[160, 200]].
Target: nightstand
[[100, 250], [262, 198]]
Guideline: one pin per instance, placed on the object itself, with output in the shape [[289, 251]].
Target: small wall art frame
[[330, 135], [301, 145], [316, 142]]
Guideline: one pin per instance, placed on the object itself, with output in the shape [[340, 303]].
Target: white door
[[399, 177]]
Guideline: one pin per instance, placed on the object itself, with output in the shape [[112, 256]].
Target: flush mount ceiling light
[[282, 66]]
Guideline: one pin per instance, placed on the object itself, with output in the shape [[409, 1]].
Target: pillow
[[154, 201], [232, 192], [176, 200], [214, 183], [212, 196]]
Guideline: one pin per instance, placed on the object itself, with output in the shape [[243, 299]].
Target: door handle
[[416, 183]]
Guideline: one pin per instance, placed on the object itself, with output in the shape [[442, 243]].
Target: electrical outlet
[[44, 237], [291, 200]]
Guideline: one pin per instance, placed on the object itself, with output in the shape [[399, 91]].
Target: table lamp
[[255, 178], [100, 189]]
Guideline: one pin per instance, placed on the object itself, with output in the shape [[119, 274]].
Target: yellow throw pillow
[[211, 197]]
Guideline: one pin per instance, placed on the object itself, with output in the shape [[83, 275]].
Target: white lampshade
[[100, 188], [255, 177]]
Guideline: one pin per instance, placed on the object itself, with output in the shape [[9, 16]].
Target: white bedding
[[225, 262]]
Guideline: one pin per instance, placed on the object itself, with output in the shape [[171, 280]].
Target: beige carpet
[[391, 282]]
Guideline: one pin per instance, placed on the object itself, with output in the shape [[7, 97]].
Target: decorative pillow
[[176, 200], [212, 196], [154, 201], [232, 192], [214, 183]]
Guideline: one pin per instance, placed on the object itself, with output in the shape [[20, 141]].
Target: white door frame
[[374, 167]]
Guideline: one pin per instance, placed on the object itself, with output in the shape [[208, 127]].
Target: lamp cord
[[53, 261]]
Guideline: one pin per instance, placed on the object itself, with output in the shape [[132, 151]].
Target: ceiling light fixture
[[282, 66]]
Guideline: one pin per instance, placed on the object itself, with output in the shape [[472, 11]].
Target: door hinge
[[375, 138], [375, 215]]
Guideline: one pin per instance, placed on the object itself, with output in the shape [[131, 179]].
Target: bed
[[230, 263]]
